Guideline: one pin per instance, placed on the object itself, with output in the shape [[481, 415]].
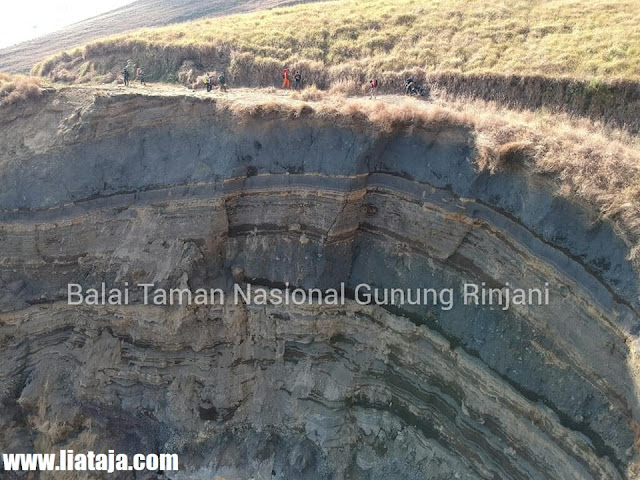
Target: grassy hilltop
[[581, 39], [138, 14]]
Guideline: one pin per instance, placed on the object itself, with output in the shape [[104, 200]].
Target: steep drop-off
[[182, 191]]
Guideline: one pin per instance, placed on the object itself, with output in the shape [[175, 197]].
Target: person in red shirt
[[140, 75], [286, 83], [374, 88]]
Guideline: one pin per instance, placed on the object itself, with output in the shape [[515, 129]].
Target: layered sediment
[[183, 192]]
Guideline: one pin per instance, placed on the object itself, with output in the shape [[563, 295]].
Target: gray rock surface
[[124, 189]]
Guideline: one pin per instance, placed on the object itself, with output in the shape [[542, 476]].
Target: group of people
[[139, 76], [286, 82], [297, 77], [208, 81], [411, 87]]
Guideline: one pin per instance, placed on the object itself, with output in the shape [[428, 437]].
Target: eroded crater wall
[[181, 192]]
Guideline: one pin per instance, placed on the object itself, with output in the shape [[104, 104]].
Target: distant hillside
[[556, 38], [142, 13]]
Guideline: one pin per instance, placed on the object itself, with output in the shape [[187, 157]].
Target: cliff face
[[182, 192]]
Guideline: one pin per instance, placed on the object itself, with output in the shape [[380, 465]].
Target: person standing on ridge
[[222, 82], [207, 81], [125, 76], [374, 88], [286, 83], [140, 75], [298, 78]]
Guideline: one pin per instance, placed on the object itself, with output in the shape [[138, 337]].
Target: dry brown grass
[[347, 87], [404, 115], [589, 162], [310, 94], [14, 88], [271, 108]]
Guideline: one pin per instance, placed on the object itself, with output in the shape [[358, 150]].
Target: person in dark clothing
[[413, 88], [410, 86], [125, 76], [298, 78], [222, 82]]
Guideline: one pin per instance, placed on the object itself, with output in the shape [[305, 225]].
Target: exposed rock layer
[[181, 192]]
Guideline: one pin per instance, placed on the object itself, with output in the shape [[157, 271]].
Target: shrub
[[310, 94], [63, 75], [347, 87], [248, 70], [313, 73], [15, 88]]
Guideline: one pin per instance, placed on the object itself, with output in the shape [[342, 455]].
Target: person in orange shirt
[[286, 83]]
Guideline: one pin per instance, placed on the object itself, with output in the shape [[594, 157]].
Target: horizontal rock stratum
[[182, 191]]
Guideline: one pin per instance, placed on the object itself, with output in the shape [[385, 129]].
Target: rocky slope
[[182, 191]]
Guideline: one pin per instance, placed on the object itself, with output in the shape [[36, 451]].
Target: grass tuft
[[15, 88]]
